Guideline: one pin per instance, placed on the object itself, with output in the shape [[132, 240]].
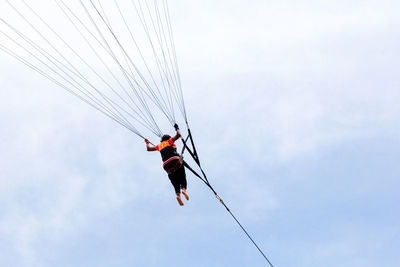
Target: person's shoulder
[[171, 141]]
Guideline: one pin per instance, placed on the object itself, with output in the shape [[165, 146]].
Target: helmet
[[165, 137]]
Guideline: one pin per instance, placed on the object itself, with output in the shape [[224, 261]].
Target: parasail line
[[82, 89], [168, 59], [48, 56], [109, 51], [162, 72], [163, 103], [90, 96], [141, 116], [8, 51], [170, 31], [141, 99], [91, 68], [124, 72], [158, 34]]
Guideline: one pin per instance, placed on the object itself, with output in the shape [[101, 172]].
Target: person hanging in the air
[[172, 163]]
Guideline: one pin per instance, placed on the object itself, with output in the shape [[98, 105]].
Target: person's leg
[[183, 182], [175, 182]]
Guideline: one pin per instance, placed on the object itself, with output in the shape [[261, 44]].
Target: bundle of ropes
[[117, 56]]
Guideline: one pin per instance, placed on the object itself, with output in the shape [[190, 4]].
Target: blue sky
[[295, 110]]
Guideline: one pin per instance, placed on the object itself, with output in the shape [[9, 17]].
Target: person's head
[[165, 137]]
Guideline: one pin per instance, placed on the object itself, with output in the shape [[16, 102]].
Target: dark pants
[[178, 179]]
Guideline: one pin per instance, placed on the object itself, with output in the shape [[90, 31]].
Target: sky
[[294, 107]]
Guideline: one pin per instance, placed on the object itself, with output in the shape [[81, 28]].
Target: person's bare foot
[[179, 200], [186, 195]]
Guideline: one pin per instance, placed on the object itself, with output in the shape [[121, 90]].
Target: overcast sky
[[295, 109]]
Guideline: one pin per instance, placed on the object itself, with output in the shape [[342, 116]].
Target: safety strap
[[184, 144], [195, 157], [193, 146], [192, 153]]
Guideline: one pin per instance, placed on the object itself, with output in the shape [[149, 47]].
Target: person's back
[[170, 157]]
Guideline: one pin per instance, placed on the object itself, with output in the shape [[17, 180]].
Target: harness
[[176, 161]]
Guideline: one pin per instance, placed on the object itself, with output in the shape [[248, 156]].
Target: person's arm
[[149, 148], [178, 133]]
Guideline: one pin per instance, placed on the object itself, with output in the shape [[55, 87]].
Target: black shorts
[[178, 179]]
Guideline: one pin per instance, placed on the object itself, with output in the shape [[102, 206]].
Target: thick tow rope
[[193, 154]]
